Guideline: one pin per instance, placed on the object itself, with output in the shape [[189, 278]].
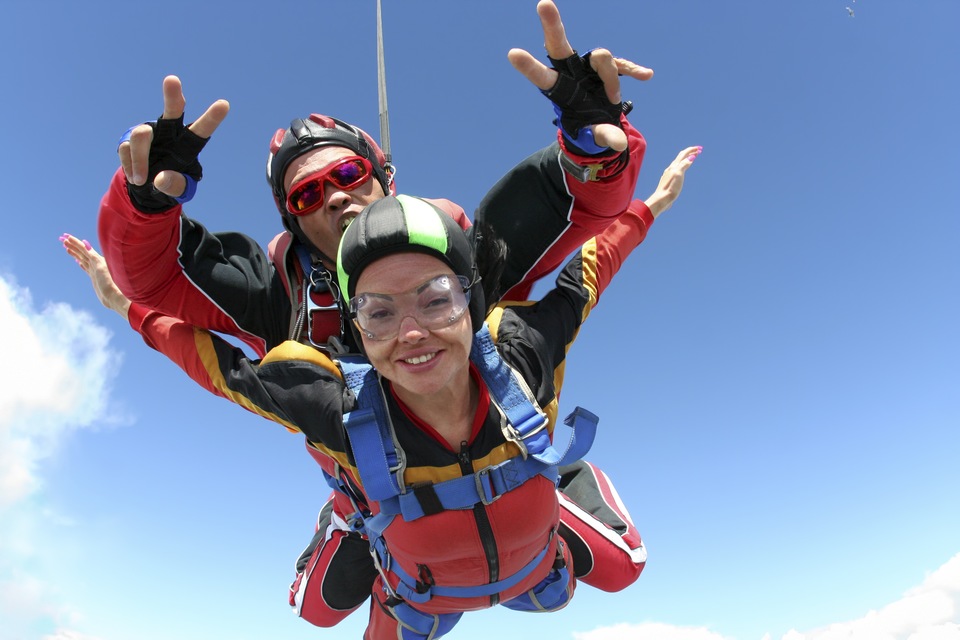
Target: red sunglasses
[[349, 173]]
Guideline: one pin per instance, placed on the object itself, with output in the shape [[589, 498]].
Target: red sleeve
[[619, 239], [175, 339], [140, 249], [143, 254], [595, 205]]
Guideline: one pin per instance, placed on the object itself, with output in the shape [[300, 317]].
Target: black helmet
[[401, 224], [312, 133]]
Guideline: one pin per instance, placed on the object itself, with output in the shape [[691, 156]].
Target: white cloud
[[930, 611], [59, 369], [29, 603]]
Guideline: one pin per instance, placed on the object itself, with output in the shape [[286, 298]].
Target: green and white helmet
[[403, 224]]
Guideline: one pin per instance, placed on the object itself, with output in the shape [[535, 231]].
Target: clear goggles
[[435, 304]]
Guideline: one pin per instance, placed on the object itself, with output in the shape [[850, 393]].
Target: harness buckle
[[481, 492], [320, 278], [512, 434]]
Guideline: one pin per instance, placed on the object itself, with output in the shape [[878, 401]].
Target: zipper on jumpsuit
[[483, 525]]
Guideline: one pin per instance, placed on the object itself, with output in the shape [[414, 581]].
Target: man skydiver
[[224, 282]]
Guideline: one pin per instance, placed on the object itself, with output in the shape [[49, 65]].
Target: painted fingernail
[[63, 237], [692, 157], [87, 245]]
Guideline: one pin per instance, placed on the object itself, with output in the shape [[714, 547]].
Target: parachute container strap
[[370, 432]]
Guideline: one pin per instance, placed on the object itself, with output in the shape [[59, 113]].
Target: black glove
[[579, 100], [174, 148]]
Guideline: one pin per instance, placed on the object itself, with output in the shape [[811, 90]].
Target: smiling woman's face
[[418, 361]]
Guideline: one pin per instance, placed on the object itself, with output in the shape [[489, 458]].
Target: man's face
[[325, 226]]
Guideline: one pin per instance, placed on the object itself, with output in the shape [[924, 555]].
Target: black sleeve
[[528, 208], [234, 272]]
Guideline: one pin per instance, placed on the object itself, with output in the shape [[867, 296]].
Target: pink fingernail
[[87, 245], [63, 237], [692, 157]]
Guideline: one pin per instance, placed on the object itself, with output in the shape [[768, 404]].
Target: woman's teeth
[[420, 359]]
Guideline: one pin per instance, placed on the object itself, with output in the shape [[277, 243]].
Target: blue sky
[[777, 369]]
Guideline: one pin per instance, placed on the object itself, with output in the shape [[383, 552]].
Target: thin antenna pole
[[382, 90]]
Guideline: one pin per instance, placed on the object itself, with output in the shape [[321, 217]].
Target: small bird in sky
[[850, 11]]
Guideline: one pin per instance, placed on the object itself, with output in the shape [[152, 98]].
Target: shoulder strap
[[277, 252], [527, 423], [380, 460]]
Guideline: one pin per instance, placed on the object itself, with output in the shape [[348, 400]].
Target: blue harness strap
[[512, 395], [370, 431]]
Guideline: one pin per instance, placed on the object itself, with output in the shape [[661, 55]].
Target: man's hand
[[607, 67], [165, 154]]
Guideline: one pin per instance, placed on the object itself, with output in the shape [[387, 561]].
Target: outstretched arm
[[225, 370], [552, 202], [170, 263]]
